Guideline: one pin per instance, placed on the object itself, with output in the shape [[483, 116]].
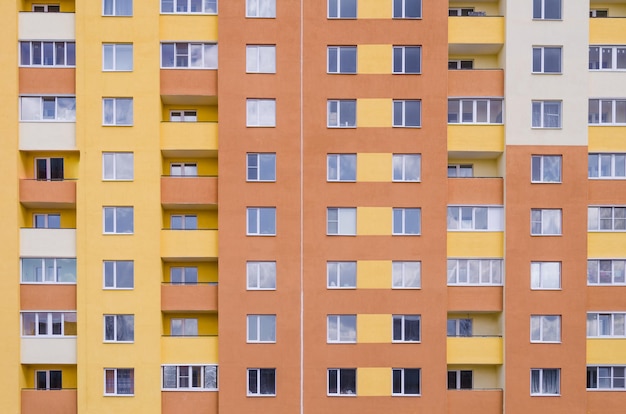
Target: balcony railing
[[480, 350], [186, 191], [201, 349], [189, 244], [48, 194], [189, 297], [49, 401]]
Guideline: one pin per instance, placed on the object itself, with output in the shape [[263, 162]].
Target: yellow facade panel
[[474, 350], [374, 113], [477, 30], [476, 138], [606, 351], [374, 59], [191, 349], [373, 329], [607, 31], [374, 9], [373, 274], [475, 244], [201, 28], [198, 136], [607, 139], [188, 244], [373, 221], [605, 244], [373, 382], [372, 167]]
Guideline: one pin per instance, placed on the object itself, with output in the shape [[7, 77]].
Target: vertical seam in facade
[[301, 209]]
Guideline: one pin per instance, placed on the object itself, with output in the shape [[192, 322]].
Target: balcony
[[188, 192], [37, 81], [47, 242], [189, 402], [475, 35], [194, 349], [475, 298], [189, 86], [481, 140], [53, 297], [478, 350], [606, 244], [198, 139], [46, 350], [607, 31], [476, 82], [189, 298], [46, 26], [47, 136], [184, 245], [47, 194], [606, 138], [476, 244], [489, 401], [606, 351], [475, 191], [49, 401]]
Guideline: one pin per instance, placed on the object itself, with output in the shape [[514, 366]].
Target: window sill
[[261, 395], [189, 390], [544, 128], [187, 14]]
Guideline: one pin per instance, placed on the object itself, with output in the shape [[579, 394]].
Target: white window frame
[[118, 320], [336, 162], [400, 9], [402, 51], [48, 379], [405, 120], [47, 274], [208, 7], [61, 113], [539, 52], [47, 48], [598, 115], [254, 117], [402, 337], [543, 392], [259, 382], [46, 218], [333, 119], [494, 218], [539, 168], [259, 172], [48, 323], [616, 166], [473, 272], [116, 390], [460, 64], [539, 114], [184, 373], [205, 54], [341, 336], [603, 64], [596, 321], [187, 221], [598, 275], [541, 13], [188, 327], [543, 221], [184, 169], [458, 170], [114, 49], [400, 222], [490, 105], [401, 165], [187, 275], [599, 13], [599, 223], [48, 169], [183, 115], [261, 9], [540, 273], [457, 379], [402, 373], [335, 12], [259, 322], [46, 8], [110, 114], [257, 213], [115, 210], [260, 58], [540, 328], [337, 52], [341, 275], [118, 159], [261, 275], [113, 264], [340, 392], [346, 221], [617, 381], [114, 7], [459, 325], [400, 272]]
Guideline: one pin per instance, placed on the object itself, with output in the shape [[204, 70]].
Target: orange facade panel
[[40, 81], [49, 402], [474, 298], [188, 191], [475, 401], [189, 298], [605, 402], [607, 192], [45, 194], [476, 82], [188, 82], [475, 191], [188, 402], [48, 297]]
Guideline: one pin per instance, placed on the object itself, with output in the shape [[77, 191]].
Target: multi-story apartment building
[[318, 217]]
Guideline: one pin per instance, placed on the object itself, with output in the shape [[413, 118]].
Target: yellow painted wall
[[607, 138], [606, 31], [207, 271], [482, 323], [373, 274], [207, 322], [373, 167], [207, 219], [606, 351], [482, 138], [474, 350], [70, 163], [187, 27], [205, 113], [68, 374], [476, 244], [480, 61], [67, 6], [481, 167], [206, 166], [373, 221], [605, 244], [484, 376], [374, 9], [372, 328], [373, 382], [374, 59], [374, 113]]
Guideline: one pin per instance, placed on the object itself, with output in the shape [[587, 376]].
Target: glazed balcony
[[188, 402], [188, 192], [475, 190], [201, 297], [48, 194], [476, 350], [476, 82], [200, 138], [46, 26], [49, 401], [200, 349], [189, 244], [471, 35], [35, 242], [489, 400]]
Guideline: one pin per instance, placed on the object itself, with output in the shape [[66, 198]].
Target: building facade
[[296, 207]]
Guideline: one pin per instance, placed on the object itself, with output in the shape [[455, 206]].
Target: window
[[606, 325], [47, 221], [475, 272], [118, 220], [607, 57], [117, 57], [341, 167], [407, 59], [474, 111], [407, 114], [406, 328], [545, 328], [183, 169], [262, 328], [341, 59], [261, 8], [117, 111], [460, 64], [261, 381], [606, 378], [189, 6], [261, 58], [49, 380], [341, 221], [547, 9], [47, 169], [460, 380], [545, 222], [545, 275], [341, 328], [460, 170], [546, 114], [261, 275], [606, 272], [119, 381], [406, 221], [261, 112], [546, 59], [118, 166], [48, 323], [184, 222], [186, 275], [189, 55], [119, 274], [119, 328], [607, 111], [459, 327], [406, 275], [342, 9], [545, 381], [46, 8], [184, 116], [184, 327], [261, 221], [406, 167], [117, 7], [341, 381], [546, 169], [261, 167], [606, 218], [189, 377], [48, 108], [48, 270], [407, 9], [460, 11], [406, 381], [341, 275], [37, 53], [468, 218], [341, 114]]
